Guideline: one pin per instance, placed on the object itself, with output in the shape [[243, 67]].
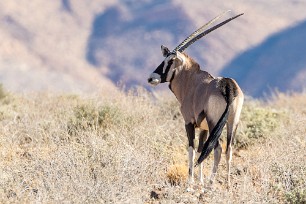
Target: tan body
[[196, 90], [198, 93], [202, 104]]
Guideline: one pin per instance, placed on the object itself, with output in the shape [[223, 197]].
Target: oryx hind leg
[[217, 107], [232, 125], [229, 149], [217, 157], [202, 139]]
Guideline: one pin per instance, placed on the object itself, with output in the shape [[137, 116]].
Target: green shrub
[[296, 196], [88, 117], [108, 116], [2, 92], [257, 123], [7, 104], [289, 180]]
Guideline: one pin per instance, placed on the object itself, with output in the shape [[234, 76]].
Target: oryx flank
[[206, 102]]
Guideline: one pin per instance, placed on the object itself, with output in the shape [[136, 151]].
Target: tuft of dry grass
[[177, 174], [132, 148]]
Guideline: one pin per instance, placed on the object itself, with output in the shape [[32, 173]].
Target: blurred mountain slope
[[42, 47], [88, 45], [277, 63], [126, 37]]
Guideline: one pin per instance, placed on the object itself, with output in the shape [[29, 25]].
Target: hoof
[[211, 182], [200, 183], [200, 189], [203, 190], [228, 186], [190, 189]]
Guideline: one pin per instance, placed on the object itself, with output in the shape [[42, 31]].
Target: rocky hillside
[[83, 46]]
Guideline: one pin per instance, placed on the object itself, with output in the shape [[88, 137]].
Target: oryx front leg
[[191, 153], [217, 157]]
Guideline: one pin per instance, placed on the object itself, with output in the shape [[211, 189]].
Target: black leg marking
[[202, 139], [190, 134]]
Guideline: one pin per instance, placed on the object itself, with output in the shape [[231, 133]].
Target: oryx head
[[174, 60], [166, 70]]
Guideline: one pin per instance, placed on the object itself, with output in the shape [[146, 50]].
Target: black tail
[[229, 91]]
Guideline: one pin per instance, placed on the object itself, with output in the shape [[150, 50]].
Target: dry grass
[[130, 148]]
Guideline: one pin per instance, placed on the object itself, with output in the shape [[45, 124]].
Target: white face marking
[[171, 70], [165, 66], [166, 61], [169, 75]]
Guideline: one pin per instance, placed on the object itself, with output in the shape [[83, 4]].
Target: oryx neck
[[182, 82]]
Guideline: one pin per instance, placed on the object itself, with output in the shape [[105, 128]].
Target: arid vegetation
[[131, 148]]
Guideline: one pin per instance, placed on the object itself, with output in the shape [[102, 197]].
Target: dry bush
[[177, 174], [67, 148], [131, 148]]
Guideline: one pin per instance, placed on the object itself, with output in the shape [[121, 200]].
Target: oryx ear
[[165, 50]]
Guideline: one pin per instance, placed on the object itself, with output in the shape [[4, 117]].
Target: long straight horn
[[200, 30], [187, 44]]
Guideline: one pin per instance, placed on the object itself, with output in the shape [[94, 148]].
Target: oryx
[[206, 102]]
